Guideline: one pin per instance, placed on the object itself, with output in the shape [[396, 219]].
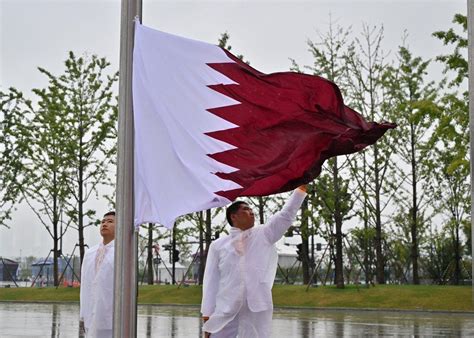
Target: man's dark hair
[[110, 213], [232, 209]]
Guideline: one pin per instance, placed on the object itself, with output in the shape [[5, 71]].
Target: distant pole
[[173, 249], [125, 278], [470, 18]]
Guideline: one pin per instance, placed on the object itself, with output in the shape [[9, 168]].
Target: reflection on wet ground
[[61, 320]]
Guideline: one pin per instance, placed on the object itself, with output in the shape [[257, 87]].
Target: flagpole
[[470, 18], [125, 276]]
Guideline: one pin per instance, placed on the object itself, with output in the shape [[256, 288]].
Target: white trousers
[[247, 324]]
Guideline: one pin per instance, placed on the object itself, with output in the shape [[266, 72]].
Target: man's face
[[107, 226], [244, 218]]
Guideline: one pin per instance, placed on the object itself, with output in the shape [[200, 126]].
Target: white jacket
[[97, 290], [242, 266]]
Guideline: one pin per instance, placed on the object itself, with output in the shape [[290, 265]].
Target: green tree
[[366, 64], [399, 257], [452, 198], [451, 140], [456, 61], [440, 257], [12, 119], [334, 207], [453, 120], [413, 104], [83, 98], [400, 239], [329, 53], [224, 43], [44, 187], [362, 239]]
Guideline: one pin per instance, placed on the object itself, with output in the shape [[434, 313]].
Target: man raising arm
[[240, 270]]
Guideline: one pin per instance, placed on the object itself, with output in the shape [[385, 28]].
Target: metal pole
[[470, 17], [125, 277], [172, 251]]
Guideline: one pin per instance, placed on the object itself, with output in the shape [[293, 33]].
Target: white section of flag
[[173, 174]]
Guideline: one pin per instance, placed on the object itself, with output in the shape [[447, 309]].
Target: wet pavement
[[61, 320]]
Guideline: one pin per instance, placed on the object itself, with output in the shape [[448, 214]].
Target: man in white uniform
[[240, 270], [97, 283]]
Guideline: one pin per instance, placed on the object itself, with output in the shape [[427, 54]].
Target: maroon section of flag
[[288, 125]]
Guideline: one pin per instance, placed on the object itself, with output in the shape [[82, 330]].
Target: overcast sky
[[40, 33]]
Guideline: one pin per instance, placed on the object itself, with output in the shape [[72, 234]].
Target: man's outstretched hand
[[302, 187], [206, 334]]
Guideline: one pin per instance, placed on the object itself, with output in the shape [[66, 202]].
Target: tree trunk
[[414, 212], [457, 257], [368, 276], [202, 262], [150, 254], [338, 265], [80, 225], [378, 221], [56, 253], [207, 237], [80, 194], [306, 261], [208, 230], [312, 261], [173, 248], [304, 241], [261, 209], [55, 231], [339, 268]]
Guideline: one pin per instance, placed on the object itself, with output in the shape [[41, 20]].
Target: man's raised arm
[[279, 223]]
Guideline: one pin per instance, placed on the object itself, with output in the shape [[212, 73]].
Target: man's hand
[[206, 334], [302, 187]]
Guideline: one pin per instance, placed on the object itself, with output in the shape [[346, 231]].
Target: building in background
[[42, 271], [8, 270]]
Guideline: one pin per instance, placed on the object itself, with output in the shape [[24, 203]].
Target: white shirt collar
[[236, 231], [108, 245]]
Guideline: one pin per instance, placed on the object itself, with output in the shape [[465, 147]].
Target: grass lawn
[[408, 297]]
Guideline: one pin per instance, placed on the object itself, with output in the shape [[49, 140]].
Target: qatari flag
[[209, 128]]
